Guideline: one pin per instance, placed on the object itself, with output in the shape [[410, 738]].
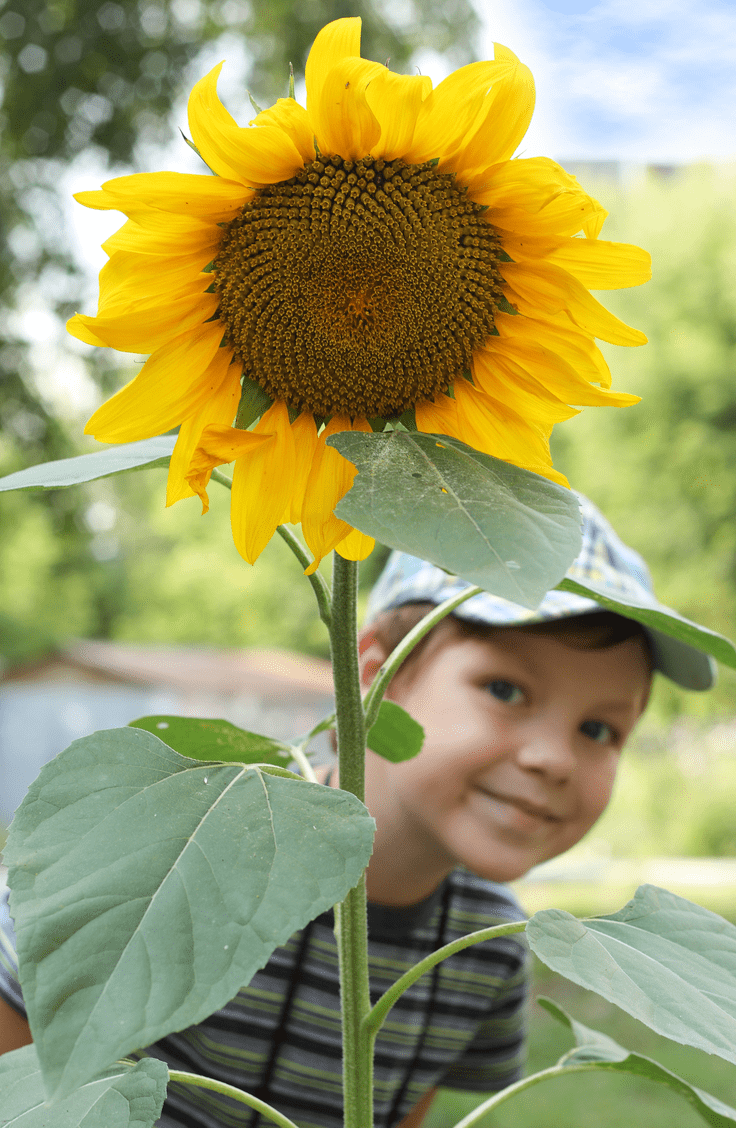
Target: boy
[[525, 716]]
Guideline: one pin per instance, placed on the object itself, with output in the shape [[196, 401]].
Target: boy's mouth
[[523, 806]]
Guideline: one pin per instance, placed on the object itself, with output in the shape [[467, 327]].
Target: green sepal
[[291, 81], [505, 306], [254, 104], [253, 402]]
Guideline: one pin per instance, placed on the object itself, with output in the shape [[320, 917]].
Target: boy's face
[[523, 734]]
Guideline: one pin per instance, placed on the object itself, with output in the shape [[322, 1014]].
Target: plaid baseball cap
[[604, 562]]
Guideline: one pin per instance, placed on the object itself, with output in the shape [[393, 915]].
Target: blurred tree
[[664, 471], [80, 77]]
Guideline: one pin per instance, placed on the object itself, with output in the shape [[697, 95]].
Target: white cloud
[[650, 81]]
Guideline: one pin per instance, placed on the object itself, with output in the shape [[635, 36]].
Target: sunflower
[[376, 256]]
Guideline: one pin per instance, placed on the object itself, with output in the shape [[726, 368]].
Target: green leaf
[[505, 529], [596, 1048], [215, 740], [664, 620], [664, 960], [125, 1095], [100, 464], [147, 888], [395, 735]]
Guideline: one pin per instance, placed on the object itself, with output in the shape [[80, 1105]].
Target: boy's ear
[[372, 654]]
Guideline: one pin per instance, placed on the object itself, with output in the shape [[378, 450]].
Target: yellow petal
[[133, 326], [494, 428], [502, 122], [172, 385], [395, 100], [546, 367], [438, 417], [80, 326], [305, 442], [168, 235], [543, 288], [262, 484], [560, 336], [202, 197], [503, 377], [601, 265], [287, 114], [355, 546], [336, 41], [451, 110], [141, 279], [217, 446], [250, 156], [330, 478], [218, 410], [344, 122]]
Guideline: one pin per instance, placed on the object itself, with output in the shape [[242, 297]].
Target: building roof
[[204, 670]]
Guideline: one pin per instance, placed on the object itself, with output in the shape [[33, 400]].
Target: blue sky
[[633, 80]]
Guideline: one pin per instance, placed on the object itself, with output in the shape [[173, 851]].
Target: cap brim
[[683, 650]]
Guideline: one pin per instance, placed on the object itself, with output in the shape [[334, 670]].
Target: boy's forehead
[[546, 655]]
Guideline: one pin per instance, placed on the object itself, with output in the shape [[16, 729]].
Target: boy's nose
[[548, 752]]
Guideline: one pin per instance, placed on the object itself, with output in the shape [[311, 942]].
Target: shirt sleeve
[[9, 985], [496, 1056]]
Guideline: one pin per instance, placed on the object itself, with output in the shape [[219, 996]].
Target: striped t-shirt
[[460, 1025]]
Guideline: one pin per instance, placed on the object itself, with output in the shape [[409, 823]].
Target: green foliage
[[503, 528], [169, 882], [125, 1095], [662, 959], [395, 735], [100, 463], [603, 1053], [664, 471], [215, 740]]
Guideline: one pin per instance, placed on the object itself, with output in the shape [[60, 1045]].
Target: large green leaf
[[395, 735], [215, 740], [147, 888], [505, 529], [597, 1049], [122, 1096], [99, 464], [664, 620], [666, 961]]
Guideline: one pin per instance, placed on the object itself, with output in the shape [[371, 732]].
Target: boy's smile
[[523, 734]]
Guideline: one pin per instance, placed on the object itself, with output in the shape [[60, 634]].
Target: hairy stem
[[375, 1018], [202, 1082], [526, 1083], [380, 683], [351, 927]]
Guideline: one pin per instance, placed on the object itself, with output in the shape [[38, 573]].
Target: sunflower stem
[[351, 919], [318, 582], [202, 1082], [374, 696]]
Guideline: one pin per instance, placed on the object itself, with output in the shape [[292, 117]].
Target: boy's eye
[[598, 731], [505, 691]]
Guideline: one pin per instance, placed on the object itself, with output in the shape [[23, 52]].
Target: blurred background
[[112, 606]]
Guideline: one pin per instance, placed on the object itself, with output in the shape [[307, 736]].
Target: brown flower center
[[358, 287]]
